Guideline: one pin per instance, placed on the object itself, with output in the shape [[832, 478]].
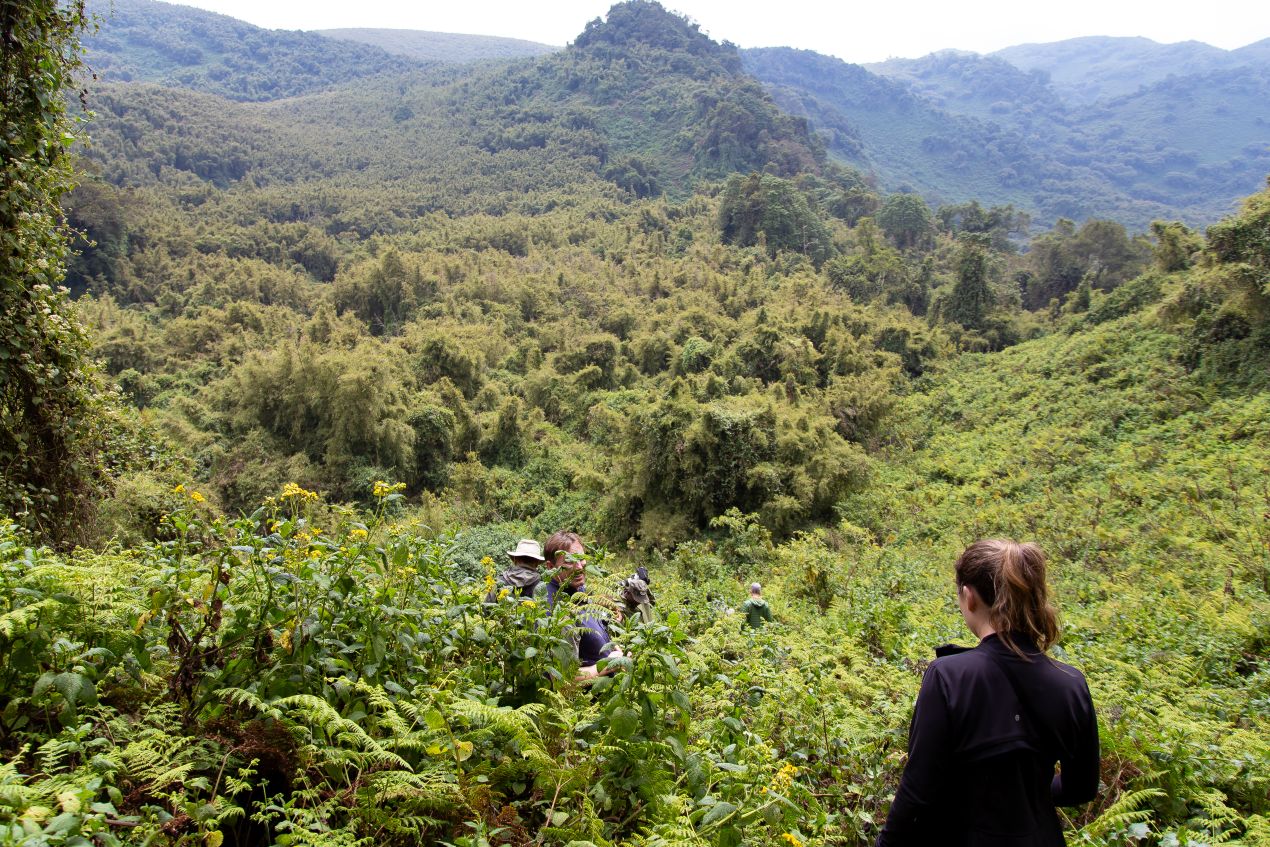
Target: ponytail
[[1010, 578]]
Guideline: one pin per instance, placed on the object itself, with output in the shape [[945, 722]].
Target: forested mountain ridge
[[644, 102], [978, 129], [441, 46], [1187, 146], [179, 46], [878, 124]]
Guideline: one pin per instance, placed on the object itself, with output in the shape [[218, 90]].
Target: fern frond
[[675, 827], [432, 791], [1256, 833], [148, 760], [23, 618], [387, 711], [316, 712], [248, 700], [1127, 809]]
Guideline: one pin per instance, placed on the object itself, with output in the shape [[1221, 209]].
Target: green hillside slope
[[648, 103], [643, 101], [1131, 444], [1186, 148], [984, 87], [880, 124], [179, 46], [1195, 142]]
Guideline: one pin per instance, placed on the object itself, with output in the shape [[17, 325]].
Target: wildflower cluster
[[291, 490], [784, 777], [194, 496], [383, 489]]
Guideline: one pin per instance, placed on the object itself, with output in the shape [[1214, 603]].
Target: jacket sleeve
[[1077, 780], [913, 812]]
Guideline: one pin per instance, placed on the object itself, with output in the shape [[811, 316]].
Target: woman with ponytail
[[992, 721]]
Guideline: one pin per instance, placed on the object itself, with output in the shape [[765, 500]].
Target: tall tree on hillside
[[776, 209], [906, 220], [49, 390], [972, 298]]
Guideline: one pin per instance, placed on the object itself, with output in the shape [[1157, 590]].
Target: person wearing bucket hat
[[523, 576]]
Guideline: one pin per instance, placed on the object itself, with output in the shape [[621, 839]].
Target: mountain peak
[[648, 23]]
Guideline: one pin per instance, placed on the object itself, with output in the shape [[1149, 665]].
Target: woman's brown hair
[[1010, 578]]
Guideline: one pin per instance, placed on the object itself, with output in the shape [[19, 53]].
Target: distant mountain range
[[441, 46], [1085, 70], [1183, 126], [1097, 127]]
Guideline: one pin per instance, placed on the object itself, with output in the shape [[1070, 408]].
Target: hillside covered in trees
[[1119, 128], [331, 353], [956, 125]]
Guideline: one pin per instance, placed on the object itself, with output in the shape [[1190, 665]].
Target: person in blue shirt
[[565, 553]]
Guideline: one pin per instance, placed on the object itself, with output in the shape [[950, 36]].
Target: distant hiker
[[755, 609], [567, 557], [637, 597], [524, 574], [991, 721]]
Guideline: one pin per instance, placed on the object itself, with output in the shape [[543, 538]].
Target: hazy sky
[[865, 31]]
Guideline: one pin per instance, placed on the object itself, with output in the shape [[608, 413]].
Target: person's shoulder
[[1065, 673], [959, 664], [952, 657]]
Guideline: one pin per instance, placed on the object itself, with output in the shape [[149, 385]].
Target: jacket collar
[[990, 643]]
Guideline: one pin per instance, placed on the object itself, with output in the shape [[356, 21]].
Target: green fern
[[1127, 809], [23, 618], [675, 828]]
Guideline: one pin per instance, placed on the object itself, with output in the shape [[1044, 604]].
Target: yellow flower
[[489, 583], [503, 593], [357, 533], [792, 839], [383, 489], [180, 489], [196, 497], [782, 779], [293, 490], [528, 603], [487, 562]]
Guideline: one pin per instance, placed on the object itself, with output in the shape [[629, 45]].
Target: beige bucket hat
[[527, 548]]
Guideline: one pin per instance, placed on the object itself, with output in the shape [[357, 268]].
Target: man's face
[[572, 565]]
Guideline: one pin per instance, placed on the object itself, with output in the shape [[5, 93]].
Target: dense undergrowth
[[315, 674]]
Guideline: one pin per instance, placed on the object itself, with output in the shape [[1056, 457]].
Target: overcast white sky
[[866, 31]]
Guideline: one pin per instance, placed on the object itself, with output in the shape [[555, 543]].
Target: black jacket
[[980, 769]]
